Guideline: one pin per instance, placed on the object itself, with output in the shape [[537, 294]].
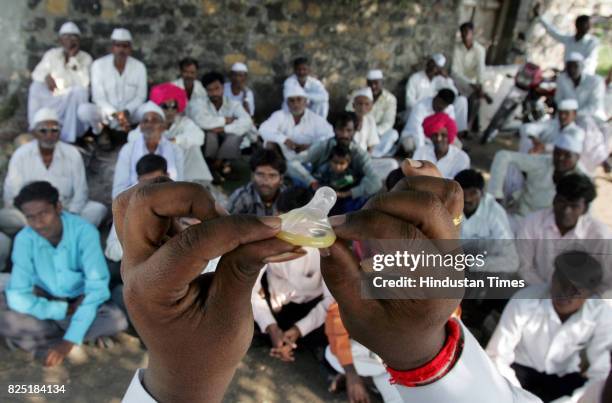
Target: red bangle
[[439, 366]]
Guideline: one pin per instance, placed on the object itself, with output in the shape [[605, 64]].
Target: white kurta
[[414, 125], [383, 110], [318, 97], [468, 66], [587, 46], [367, 136], [207, 117], [590, 94], [281, 126], [72, 81], [419, 86], [455, 160], [297, 281], [125, 169], [530, 333], [246, 95], [538, 254], [198, 89]]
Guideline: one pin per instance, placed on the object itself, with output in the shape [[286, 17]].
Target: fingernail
[[337, 220], [324, 252], [414, 163], [220, 209], [272, 222]]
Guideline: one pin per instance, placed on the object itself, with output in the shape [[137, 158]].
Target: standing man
[[224, 122], [188, 79], [60, 81], [582, 42], [236, 89], [118, 88], [384, 112], [318, 97]]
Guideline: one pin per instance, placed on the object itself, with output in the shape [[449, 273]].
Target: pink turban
[[166, 92], [434, 123]]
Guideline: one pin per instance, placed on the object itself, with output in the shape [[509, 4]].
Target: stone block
[[57, 7], [257, 68], [209, 7], [313, 10], [232, 58], [308, 29], [266, 50], [295, 6], [275, 12]]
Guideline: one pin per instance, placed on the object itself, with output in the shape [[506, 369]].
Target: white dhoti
[[461, 113], [368, 364], [5, 250], [386, 147], [94, 116], [195, 167], [66, 104], [94, 212]]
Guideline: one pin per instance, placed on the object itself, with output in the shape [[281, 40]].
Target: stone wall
[[343, 38]]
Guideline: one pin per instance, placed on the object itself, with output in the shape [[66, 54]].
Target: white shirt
[[419, 86], [114, 92], [383, 110], [420, 111], [66, 173], [469, 64], [185, 133], [587, 46], [297, 281], [488, 229], [590, 94], [318, 97], [246, 95], [530, 333], [367, 136], [198, 89], [281, 126], [455, 160], [125, 169], [75, 72], [206, 115], [538, 254]]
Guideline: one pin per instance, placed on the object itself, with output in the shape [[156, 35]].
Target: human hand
[[292, 335], [290, 144], [355, 389], [229, 120], [405, 333], [57, 353], [280, 349], [51, 84], [538, 147], [184, 318], [124, 120], [72, 307], [314, 185]]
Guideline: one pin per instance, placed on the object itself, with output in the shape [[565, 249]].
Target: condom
[[308, 225]]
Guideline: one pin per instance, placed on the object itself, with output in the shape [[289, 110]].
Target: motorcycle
[[533, 90]]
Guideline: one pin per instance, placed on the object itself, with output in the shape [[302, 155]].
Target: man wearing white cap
[[236, 88], [318, 97], [296, 129], [384, 111], [61, 81], [48, 159], [366, 134], [589, 90], [118, 87], [427, 83], [582, 42], [147, 138]]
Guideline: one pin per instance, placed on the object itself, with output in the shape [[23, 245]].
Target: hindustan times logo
[[412, 261]]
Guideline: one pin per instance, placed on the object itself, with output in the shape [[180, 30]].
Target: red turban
[[166, 92], [434, 123]]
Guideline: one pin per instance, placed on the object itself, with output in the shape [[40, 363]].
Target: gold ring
[[458, 220]]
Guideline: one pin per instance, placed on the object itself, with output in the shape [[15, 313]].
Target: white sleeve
[[81, 192], [458, 70], [192, 135], [243, 121], [43, 68], [136, 393], [501, 163], [121, 179], [141, 92], [13, 181], [414, 127], [316, 316], [113, 250], [250, 98], [269, 130], [98, 94], [388, 120], [411, 92], [554, 32], [317, 93], [179, 158], [196, 111]]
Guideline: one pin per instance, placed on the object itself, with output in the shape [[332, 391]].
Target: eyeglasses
[[47, 130], [169, 106]]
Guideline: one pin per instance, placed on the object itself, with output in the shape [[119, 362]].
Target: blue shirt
[[75, 267]]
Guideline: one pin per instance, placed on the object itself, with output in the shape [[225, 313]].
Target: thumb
[[340, 270]]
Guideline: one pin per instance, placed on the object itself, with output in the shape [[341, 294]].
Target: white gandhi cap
[[69, 28], [439, 59], [375, 75], [295, 91], [147, 107], [121, 35], [240, 68], [568, 105], [571, 139], [364, 92], [45, 115]]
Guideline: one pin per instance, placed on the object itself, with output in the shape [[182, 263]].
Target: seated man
[[47, 158], [548, 333], [383, 111], [367, 180], [354, 361], [290, 299], [441, 131], [188, 79], [569, 220], [426, 83], [118, 87], [294, 130], [225, 122], [366, 134], [236, 88], [412, 135], [318, 97], [60, 81], [147, 138], [260, 195], [182, 131], [485, 225], [541, 170], [57, 296]]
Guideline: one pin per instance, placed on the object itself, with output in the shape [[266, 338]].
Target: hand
[[217, 130], [538, 147], [50, 83], [56, 354], [443, 72], [355, 389], [301, 147], [72, 307], [229, 120], [404, 333], [280, 349], [290, 144], [184, 318], [124, 120], [314, 185], [292, 335]]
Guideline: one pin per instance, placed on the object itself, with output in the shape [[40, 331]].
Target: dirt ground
[[93, 375]]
